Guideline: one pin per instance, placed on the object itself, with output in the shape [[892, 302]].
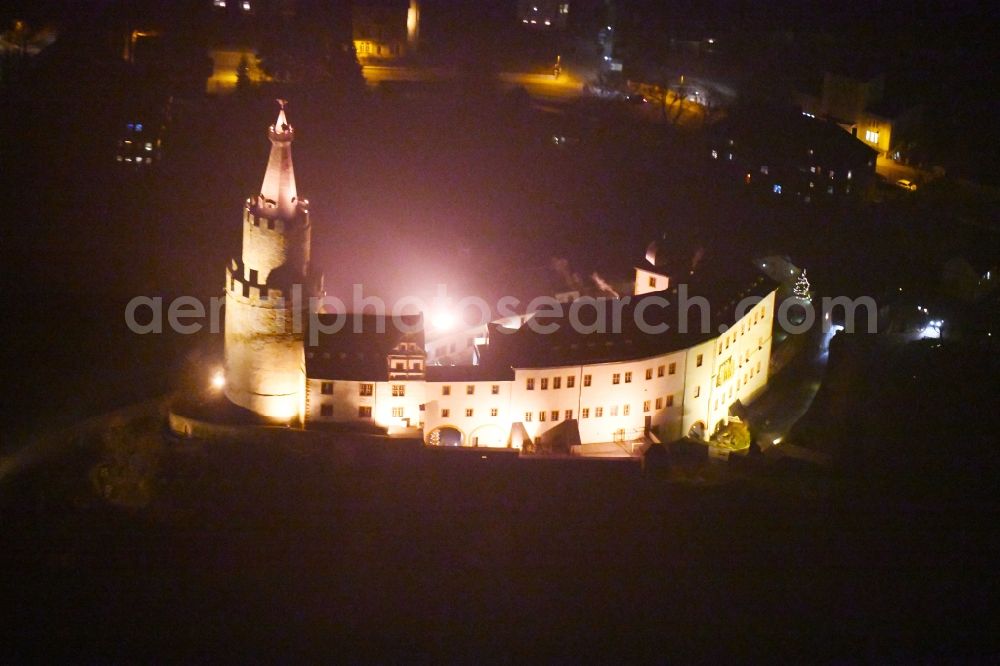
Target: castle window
[[494, 411], [670, 401], [616, 378], [398, 390], [495, 389], [659, 403], [697, 391], [527, 417], [569, 414], [570, 381], [400, 365], [364, 389], [586, 380], [628, 377], [468, 412], [326, 410], [470, 389], [555, 414], [397, 412], [326, 388], [416, 365], [364, 412], [530, 383], [556, 382], [698, 360], [598, 412], [446, 390], [541, 416], [585, 413], [645, 405], [445, 413], [545, 383], [673, 369], [659, 370]]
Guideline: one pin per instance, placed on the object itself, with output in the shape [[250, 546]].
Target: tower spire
[[277, 193]]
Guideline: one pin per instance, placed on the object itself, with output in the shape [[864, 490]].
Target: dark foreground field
[[133, 546]]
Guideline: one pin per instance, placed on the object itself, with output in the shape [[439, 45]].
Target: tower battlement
[[265, 367]]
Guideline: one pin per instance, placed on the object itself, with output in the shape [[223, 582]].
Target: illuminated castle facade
[[526, 387]]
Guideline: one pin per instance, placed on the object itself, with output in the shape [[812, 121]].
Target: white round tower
[[268, 290]]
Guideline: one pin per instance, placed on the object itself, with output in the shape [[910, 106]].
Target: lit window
[[585, 413], [646, 406], [364, 412], [545, 383], [541, 416], [715, 154], [776, 188], [628, 377], [616, 378], [470, 389], [555, 414], [672, 369], [446, 390], [598, 412], [398, 390], [219, 3], [397, 412], [569, 414], [530, 383], [659, 403], [670, 401], [659, 370], [527, 417], [245, 5], [649, 373], [326, 410], [366, 389], [556, 382], [871, 136], [495, 389], [626, 409], [326, 388], [468, 412], [764, 170], [586, 380], [570, 381], [698, 360], [564, 8], [494, 411]]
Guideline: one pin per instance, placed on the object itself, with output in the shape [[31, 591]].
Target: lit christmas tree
[[801, 288]]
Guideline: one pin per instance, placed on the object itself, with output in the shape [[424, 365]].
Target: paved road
[[540, 86], [791, 391]]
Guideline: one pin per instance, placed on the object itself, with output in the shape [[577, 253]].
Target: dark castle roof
[[359, 350], [530, 348]]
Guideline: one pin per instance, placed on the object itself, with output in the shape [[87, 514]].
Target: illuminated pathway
[[542, 86], [790, 392]]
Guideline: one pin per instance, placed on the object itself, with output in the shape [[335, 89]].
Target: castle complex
[[605, 383]]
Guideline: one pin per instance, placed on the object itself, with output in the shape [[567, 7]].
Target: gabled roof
[[469, 373], [359, 349], [567, 344]]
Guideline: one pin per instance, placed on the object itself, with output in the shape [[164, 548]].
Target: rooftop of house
[[554, 340], [358, 350]]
